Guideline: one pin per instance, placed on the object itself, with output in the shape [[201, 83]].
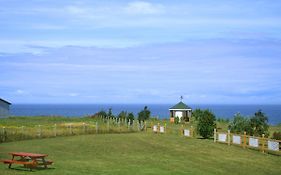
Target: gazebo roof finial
[[181, 98]]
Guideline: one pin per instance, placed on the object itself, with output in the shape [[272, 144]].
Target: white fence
[[261, 143]]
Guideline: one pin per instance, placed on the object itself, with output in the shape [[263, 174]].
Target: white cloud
[[73, 94], [141, 7], [21, 92]]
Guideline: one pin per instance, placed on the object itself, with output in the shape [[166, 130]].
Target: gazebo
[[180, 110]]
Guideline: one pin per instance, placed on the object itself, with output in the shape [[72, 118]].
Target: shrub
[[255, 125], [206, 124], [240, 124]]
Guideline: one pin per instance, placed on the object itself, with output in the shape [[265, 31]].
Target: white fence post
[[97, 128], [55, 130], [215, 135], [228, 139]]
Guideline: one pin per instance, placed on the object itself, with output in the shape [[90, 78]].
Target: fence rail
[[246, 141]]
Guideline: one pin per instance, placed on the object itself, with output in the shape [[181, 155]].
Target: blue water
[[158, 110]]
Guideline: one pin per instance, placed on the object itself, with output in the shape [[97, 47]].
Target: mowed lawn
[[141, 153]]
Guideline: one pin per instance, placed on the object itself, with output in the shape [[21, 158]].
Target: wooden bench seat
[[8, 161], [47, 162]]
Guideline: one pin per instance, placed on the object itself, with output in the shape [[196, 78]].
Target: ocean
[[157, 110]]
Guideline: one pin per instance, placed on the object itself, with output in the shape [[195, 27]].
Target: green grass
[[141, 153]]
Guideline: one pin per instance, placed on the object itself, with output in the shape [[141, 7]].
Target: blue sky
[[218, 52]]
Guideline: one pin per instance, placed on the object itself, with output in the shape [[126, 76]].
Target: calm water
[[161, 110]]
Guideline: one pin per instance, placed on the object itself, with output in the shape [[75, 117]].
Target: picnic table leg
[[10, 163], [44, 162]]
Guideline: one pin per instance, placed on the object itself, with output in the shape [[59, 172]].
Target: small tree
[[130, 118], [144, 114], [259, 124], [240, 124], [206, 124]]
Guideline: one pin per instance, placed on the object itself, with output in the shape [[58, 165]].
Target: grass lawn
[[141, 153]]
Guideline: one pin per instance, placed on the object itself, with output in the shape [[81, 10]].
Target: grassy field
[[141, 153]]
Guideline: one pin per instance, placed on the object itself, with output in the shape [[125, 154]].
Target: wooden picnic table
[[29, 160]]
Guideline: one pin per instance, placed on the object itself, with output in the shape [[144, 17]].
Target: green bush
[[206, 124], [255, 125], [240, 124]]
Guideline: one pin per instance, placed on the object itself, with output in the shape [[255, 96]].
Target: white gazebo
[[180, 110]]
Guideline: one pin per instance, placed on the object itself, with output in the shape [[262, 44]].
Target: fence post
[[55, 130], [191, 131], [145, 126], [97, 128], [158, 128], [263, 142], [165, 128], [244, 140], [119, 125], [228, 137], [215, 135]]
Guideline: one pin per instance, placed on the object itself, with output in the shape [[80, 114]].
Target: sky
[[86, 51]]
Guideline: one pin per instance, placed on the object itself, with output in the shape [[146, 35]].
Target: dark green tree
[[206, 124], [259, 124], [144, 114], [130, 118]]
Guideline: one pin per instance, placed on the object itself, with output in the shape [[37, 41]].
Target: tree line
[[124, 115]]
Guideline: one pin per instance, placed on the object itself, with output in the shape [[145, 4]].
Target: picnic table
[[29, 160]]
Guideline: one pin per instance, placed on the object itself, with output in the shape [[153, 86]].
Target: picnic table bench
[[29, 160]]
